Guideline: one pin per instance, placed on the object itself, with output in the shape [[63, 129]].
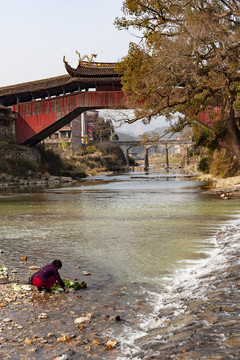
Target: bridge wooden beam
[[34, 140]]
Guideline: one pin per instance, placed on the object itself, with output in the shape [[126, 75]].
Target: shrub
[[52, 162], [223, 164], [91, 149], [132, 161], [203, 165]]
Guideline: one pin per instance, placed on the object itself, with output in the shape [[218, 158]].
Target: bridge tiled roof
[[51, 83], [33, 86], [92, 70]]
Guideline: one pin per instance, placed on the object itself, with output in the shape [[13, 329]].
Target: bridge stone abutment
[[125, 149], [146, 156]]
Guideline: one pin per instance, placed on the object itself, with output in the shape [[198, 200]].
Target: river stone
[[191, 355], [211, 319], [182, 336], [229, 309], [65, 337], [229, 322], [97, 342], [33, 267], [215, 357], [28, 341], [152, 334], [82, 320], [43, 316], [196, 305], [112, 343], [23, 258], [86, 273], [234, 341], [62, 357], [182, 321], [7, 320]]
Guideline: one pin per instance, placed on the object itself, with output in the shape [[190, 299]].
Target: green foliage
[[204, 137], [52, 162], [132, 161], [90, 149], [203, 165], [102, 130]]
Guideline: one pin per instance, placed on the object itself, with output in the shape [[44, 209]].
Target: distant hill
[[123, 136], [161, 131]]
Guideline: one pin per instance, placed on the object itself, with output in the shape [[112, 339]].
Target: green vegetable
[[72, 285], [75, 284]]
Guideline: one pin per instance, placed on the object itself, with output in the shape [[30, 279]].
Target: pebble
[[65, 337], [23, 258], [7, 320], [34, 267], [43, 316], [28, 341], [86, 273], [111, 343], [82, 320], [62, 357]]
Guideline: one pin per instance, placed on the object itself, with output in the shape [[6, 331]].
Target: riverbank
[[67, 325], [33, 180], [185, 309], [206, 327], [226, 188]]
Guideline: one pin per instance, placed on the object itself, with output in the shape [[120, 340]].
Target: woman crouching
[[46, 277]]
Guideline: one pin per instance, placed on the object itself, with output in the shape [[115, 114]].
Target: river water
[[142, 231]]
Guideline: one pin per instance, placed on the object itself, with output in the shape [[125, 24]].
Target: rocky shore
[[228, 188], [79, 325], [33, 179], [207, 328], [36, 325], [39, 325]]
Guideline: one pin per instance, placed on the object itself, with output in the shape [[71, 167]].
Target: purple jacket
[[49, 270]]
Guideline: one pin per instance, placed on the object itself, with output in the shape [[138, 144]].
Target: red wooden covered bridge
[[42, 107]]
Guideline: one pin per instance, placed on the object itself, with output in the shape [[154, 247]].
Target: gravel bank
[[38, 325], [208, 328]]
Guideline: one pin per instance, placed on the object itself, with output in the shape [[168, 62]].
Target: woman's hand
[[66, 289]]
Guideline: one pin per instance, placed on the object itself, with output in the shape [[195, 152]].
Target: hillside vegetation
[[20, 161]]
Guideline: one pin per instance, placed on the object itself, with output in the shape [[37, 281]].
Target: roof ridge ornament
[[89, 59]]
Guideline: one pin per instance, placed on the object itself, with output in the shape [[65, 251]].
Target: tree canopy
[[102, 130], [186, 62]]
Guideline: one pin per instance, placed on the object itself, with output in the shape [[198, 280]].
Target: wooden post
[[146, 160], [186, 156], [166, 157]]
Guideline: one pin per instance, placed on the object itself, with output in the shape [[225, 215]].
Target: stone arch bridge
[[127, 145]]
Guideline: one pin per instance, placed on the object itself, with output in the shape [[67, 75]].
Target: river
[[145, 232]]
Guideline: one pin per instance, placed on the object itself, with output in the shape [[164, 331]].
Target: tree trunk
[[231, 138]]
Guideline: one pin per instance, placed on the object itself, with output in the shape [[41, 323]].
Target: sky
[[36, 34]]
